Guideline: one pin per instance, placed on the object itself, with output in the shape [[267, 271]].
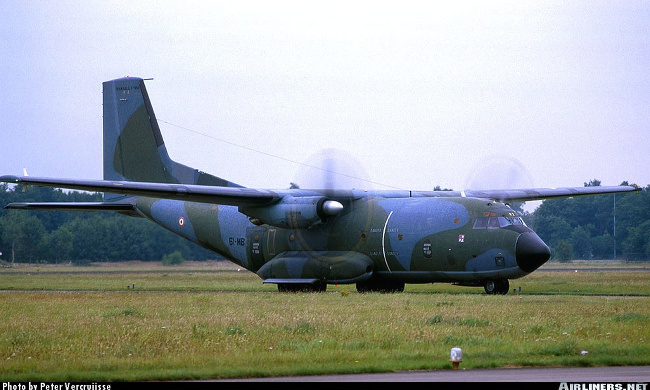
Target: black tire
[[503, 286], [285, 287], [490, 286], [302, 287], [500, 286], [319, 287], [385, 286]]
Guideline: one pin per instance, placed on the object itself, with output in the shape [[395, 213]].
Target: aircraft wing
[[195, 193], [259, 197], [523, 195]]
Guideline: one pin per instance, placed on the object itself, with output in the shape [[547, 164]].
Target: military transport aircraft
[[305, 239]]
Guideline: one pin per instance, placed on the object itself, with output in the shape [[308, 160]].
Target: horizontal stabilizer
[[73, 206]]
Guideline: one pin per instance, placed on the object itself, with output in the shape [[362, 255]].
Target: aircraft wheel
[[395, 287], [285, 287], [381, 287], [490, 286], [302, 287], [319, 287], [503, 286], [363, 287]]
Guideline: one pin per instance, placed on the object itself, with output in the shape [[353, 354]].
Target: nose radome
[[532, 252]]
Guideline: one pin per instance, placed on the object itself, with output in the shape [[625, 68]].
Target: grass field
[[145, 321]]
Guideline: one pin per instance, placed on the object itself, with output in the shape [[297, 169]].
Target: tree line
[[615, 226], [47, 236], [586, 227]]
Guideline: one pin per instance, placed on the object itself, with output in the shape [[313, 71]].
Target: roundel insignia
[[181, 221]]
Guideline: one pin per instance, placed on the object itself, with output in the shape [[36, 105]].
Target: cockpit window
[[480, 223], [518, 221], [494, 222]]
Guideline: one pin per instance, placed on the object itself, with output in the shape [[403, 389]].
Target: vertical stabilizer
[[134, 149]]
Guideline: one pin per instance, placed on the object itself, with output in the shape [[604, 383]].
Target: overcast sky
[[419, 94]]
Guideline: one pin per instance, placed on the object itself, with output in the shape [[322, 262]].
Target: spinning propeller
[[332, 169], [499, 173]]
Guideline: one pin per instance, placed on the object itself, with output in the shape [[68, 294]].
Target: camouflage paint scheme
[[305, 239]]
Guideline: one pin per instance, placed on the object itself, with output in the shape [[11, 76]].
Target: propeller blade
[[332, 169]]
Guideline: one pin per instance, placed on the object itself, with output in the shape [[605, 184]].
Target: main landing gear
[[385, 286], [302, 287], [499, 286]]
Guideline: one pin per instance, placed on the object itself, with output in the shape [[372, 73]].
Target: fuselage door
[[270, 243], [256, 247]]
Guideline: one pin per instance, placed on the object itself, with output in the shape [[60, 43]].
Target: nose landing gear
[[499, 286]]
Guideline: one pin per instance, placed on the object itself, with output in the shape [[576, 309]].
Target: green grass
[[181, 323]]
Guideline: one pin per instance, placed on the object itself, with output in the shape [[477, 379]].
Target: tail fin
[[134, 149]]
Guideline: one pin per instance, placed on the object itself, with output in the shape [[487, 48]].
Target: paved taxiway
[[626, 374]]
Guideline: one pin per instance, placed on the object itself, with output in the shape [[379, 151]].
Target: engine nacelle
[[294, 212]]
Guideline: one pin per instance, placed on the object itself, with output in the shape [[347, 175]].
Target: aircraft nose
[[532, 252]]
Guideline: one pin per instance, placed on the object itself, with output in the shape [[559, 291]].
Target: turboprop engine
[[294, 213]]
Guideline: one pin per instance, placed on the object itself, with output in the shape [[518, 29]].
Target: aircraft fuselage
[[406, 240]]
